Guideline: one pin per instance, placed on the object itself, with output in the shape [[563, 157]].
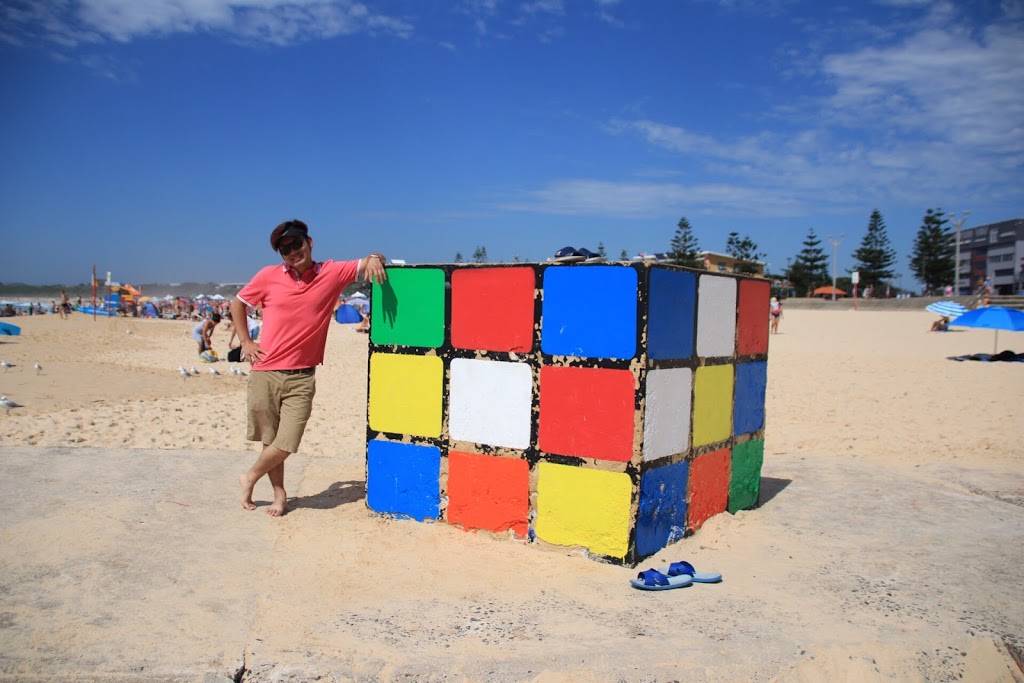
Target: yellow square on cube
[[405, 394], [712, 404], [591, 508]]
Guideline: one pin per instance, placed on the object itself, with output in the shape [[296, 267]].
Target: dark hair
[[292, 228], [215, 317]]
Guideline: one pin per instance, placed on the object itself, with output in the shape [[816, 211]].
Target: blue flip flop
[[567, 255], [653, 580], [686, 569]]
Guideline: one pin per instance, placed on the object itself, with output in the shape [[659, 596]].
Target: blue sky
[[163, 140]]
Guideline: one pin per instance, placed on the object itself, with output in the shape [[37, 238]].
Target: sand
[[888, 544]]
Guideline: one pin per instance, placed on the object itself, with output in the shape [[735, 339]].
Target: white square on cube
[[716, 316], [667, 412], [489, 402]]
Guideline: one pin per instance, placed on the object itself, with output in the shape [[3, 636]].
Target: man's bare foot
[[243, 481], [279, 508]]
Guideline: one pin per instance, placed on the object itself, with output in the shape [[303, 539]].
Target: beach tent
[[827, 291], [347, 314], [217, 297], [149, 311]]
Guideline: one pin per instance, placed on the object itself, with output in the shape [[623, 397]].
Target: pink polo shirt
[[297, 312]]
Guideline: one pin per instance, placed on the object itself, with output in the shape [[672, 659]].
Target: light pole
[[958, 223], [835, 253]]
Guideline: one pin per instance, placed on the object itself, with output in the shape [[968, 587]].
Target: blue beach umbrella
[[950, 309], [993, 318]]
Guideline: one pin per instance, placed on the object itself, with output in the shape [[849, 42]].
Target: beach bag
[[235, 355], [209, 356]]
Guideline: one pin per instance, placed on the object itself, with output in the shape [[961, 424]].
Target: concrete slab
[[139, 565]]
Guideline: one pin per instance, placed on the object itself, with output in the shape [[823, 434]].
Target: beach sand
[[889, 543]]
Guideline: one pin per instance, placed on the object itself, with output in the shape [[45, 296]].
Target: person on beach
[[65, 305], [775, 308], [202, 333], [298, 297]]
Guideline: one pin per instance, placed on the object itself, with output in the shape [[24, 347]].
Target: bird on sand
[[39, 368], [183, 372], [7, 366], [8, 404], [193, 370], [213, 371]]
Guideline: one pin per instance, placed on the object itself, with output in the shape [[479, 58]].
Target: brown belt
[[300, 371]]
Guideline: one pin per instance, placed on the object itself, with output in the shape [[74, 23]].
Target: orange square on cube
[[587, 412], [752, 318], [493, 309], [709, 487], [488, 492]]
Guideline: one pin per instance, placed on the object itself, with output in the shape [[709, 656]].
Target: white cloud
[[71, 23], [935, 115]]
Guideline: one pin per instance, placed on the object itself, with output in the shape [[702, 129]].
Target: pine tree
[[683, 248], [480, 255], [600, 249], [934, 247], [875, 257], [623, 255], [810, 268], [458, 257], [744, 251]]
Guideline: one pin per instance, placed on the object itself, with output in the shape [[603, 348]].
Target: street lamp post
[[958, 223], [835, 253]]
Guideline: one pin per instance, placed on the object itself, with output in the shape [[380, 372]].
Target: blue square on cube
[[748, 409], [661, 518], [671, 311], [589, 311], [403, 479]]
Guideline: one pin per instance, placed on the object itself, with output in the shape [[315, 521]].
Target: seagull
[[232, 370], [183, 372], [193, 370], [39, 368], [7, 366], [213, 371], [8, 404]]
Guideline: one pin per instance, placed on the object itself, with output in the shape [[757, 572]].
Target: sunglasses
[[286, 248]]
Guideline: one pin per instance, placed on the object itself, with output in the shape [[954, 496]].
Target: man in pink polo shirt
[[298, 298]]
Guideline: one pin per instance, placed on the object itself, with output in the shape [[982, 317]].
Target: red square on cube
[[709, 487], [492, 309], [587, 412], [488, 492], [752, 323]]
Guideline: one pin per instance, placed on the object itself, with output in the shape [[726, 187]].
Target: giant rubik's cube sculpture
[[610, 406]]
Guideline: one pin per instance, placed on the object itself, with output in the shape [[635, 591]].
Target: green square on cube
[[408, 308]]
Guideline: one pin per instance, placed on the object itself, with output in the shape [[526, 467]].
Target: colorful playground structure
[[615, 407]]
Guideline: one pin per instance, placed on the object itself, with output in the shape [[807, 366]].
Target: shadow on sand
[[771, 487], [338, 493]]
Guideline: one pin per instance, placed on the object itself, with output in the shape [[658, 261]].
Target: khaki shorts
[[279, 404]]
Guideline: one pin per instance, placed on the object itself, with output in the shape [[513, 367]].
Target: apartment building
[[993, 253]]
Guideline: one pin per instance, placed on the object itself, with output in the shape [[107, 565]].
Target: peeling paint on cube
[[661, 517], [613, 407]]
